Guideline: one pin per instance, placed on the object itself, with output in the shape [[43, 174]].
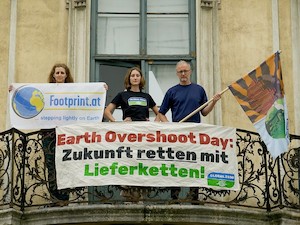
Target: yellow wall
[[41, 41], [245, 40], [285, 30], [41, 38], [4, 43]]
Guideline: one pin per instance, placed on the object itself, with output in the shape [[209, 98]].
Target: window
[[118, 27], [151, 34], [167, 27]]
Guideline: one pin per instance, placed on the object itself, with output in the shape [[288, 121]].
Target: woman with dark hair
[[135, 106], [60, 73]]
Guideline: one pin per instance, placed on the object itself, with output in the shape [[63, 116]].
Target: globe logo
[[27, 102]]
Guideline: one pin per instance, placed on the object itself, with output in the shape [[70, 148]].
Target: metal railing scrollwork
[[28, 177]]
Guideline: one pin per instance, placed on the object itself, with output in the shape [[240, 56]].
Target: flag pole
[[201, 107]]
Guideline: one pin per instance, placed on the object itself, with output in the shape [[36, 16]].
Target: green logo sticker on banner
[[220, 180]]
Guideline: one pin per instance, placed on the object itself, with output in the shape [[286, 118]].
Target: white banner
[[146, 154], [35, 106]]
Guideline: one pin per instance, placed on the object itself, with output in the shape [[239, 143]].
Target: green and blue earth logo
[[224, 180], [28, 102]]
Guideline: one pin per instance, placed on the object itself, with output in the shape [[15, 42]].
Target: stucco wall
[[41, 40], [4, 43], [42, 32], [245, 40], [285, 29]]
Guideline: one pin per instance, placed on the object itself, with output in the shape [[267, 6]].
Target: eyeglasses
[[183, 71]]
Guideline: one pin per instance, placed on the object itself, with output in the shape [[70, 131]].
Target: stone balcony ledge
[[148, 214]]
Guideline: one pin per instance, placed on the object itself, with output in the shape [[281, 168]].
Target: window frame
[[145, 60]]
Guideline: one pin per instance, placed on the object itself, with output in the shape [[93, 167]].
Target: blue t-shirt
[[182, 100]]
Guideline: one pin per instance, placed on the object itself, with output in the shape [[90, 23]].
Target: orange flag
[[261, 95]]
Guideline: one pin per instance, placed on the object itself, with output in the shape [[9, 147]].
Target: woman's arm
[[155, 110], [108, 112]]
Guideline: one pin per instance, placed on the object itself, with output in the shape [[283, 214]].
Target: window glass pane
[[167, 6], [114, 77], [164, 78], [161, 78], [128, 6], [118, 34], [167, 35]]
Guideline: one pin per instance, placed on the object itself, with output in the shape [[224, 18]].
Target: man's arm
[[211, 105], [162, 117]]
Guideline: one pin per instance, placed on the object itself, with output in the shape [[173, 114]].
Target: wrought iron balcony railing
[[27, 177]]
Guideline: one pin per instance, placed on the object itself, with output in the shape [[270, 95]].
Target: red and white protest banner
[[146, 154]]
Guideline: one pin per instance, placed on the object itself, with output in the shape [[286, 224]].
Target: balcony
[[269, 192]]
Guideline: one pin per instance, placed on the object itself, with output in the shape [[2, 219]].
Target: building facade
[[99, 39], [224, 40]]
